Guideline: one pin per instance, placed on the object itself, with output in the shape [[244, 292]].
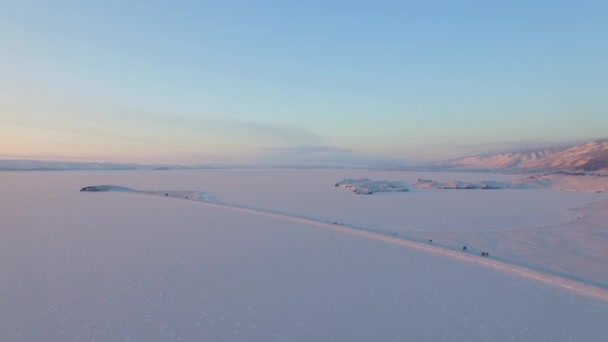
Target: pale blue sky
[[202, 81]]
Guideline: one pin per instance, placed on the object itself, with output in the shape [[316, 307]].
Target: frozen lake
[[116, 266]]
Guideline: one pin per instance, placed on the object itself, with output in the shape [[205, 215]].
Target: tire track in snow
[[542, 277]]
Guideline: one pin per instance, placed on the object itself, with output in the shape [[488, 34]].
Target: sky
[[298, 81]]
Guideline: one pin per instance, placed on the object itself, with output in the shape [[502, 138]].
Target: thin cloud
[[155, 128], [105, 133], [328, 156]]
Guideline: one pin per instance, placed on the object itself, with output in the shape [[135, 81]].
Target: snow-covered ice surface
[[576, 249], [312, 194], [122, 266]]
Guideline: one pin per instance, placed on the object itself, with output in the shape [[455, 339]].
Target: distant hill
[[43, 165], [592, 156]]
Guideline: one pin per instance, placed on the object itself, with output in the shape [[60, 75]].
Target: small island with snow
[[460, 185], [365, 186], [105, 188]]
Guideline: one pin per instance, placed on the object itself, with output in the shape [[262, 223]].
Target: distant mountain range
[[43, 165], [502, 160], [591, 156]]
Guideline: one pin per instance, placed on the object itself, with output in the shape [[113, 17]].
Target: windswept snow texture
[[460, 185], [119, 266], [365, 186], [575, 249]]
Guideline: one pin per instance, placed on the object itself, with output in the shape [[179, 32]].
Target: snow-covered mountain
[[521, 159], [591, 156]]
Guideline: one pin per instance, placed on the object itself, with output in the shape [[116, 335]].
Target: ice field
[[254, 261]]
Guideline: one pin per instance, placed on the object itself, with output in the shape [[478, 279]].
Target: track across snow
[[543, 277]]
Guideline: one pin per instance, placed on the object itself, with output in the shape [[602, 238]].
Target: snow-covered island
[[365, 186], [105, 188], [579, 182], [460, 185], [201, 196]]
